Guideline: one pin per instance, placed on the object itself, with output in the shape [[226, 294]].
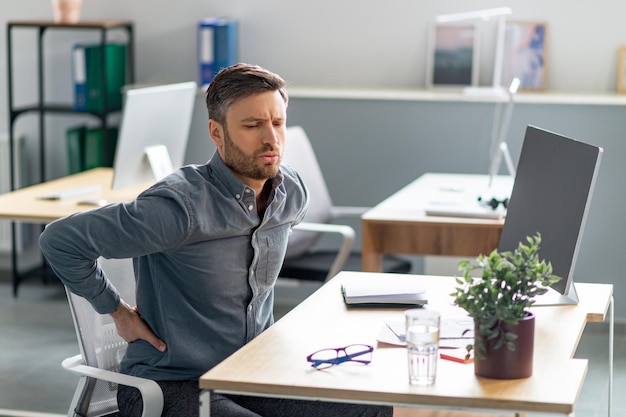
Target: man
[[207, 242]]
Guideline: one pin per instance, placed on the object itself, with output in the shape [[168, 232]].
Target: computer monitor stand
[[555, 298], [159, 160]]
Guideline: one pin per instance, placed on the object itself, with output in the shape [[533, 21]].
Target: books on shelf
[[90, 147], [88, 72], [218, 46]]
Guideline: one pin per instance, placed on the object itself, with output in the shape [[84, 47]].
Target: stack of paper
[[455, 332]]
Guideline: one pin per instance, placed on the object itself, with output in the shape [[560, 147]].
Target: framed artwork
[[621, 70], [525, 54], [453, 55]]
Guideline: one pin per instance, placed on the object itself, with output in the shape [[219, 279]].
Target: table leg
[[205, 403], [371, 257], [611, 342]]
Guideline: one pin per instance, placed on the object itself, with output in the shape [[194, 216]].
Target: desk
[[400, 225], [24, 204], [274, 364]]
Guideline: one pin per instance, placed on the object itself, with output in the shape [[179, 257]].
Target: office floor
[[36, 334]]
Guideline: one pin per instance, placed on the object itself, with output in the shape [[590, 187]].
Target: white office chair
[[101, 350], [305, 261]]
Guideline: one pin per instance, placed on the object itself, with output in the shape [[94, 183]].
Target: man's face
[[251, 142]]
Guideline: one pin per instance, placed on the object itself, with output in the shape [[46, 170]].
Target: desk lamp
[[499, 147]]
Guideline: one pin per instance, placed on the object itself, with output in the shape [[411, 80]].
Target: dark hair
[[236, 82]]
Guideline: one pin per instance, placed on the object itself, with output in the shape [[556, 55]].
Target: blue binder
[[218, 46], [79, 76]]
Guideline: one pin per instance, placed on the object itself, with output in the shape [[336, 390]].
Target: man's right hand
[[130, 326]]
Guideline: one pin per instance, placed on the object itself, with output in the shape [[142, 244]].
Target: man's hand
[[130, 326]]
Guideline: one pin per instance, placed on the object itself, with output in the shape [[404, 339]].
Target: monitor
[[551, 195], [154, 132]]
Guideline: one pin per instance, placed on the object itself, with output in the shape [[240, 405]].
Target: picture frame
[[453, 55], [525, 54], [621, 69]]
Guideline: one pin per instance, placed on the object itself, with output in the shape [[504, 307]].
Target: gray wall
[[368, 149], [388, 144]]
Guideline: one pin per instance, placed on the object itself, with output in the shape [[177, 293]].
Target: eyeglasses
[[326, 358]]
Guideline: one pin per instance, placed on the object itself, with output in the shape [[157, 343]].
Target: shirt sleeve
[[156, 221]]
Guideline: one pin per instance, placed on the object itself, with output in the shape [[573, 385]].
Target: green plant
[[504, 291]]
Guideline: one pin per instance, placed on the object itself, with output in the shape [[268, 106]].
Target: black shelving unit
[[43, 107]]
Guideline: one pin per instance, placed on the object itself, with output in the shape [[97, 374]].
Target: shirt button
[[250, 207], [237, 196], [247, 191]]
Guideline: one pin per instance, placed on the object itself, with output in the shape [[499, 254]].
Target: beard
[[248, 165]]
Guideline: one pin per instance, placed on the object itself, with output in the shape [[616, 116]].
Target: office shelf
[[55, 109], [42, 107], [450, 95]]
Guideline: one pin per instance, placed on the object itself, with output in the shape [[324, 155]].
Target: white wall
[[363, 42], [354, 43], [347, 42]]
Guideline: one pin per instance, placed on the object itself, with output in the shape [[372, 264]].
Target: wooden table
[[400, 225], [274, 363], [25, 205]]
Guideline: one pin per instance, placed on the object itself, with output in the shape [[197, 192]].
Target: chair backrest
[[100, 345], [299, 155]]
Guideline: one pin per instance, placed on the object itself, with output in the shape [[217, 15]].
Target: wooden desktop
[[274, 364], [399, 224], [26, 205]]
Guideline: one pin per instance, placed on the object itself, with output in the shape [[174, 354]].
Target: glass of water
[[422, 341]]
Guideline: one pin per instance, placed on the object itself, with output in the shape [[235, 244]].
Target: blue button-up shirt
[[205, 262]]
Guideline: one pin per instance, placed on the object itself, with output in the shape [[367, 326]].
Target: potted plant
[[499, 302]]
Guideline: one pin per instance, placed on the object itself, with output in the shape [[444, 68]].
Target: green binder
[[115, 72], [99, 150], [75, 138]]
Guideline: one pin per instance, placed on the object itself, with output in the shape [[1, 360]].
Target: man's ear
[[216, 130]]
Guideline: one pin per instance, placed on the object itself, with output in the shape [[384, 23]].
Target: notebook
[[381, 292]]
